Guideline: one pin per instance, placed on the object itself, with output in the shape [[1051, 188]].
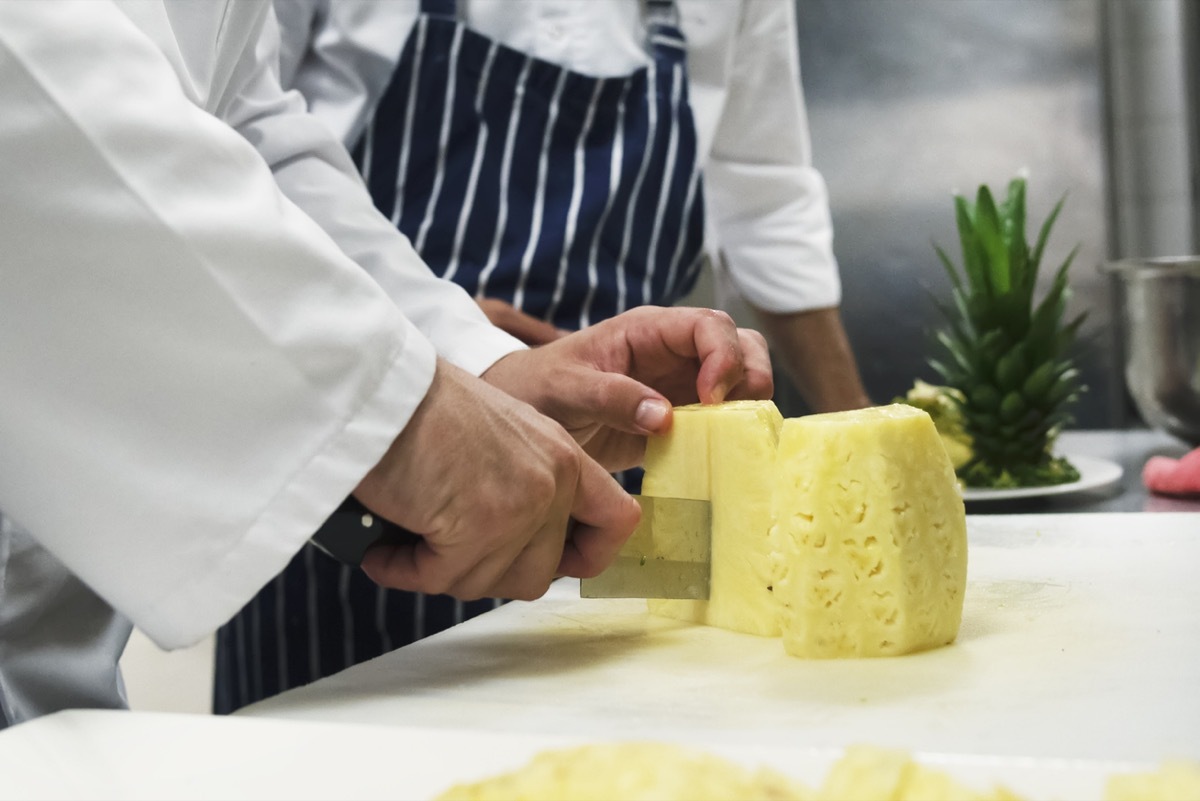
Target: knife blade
[[669, 555]]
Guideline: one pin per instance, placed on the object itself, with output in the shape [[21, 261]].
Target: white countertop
[[1080, 640], [1079, 657]]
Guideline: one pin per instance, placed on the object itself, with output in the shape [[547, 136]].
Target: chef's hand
[[525, 327], [613, 384], [490, 485]]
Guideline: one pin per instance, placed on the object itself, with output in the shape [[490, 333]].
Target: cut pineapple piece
[[866, 772], [630, 770], [870, 536], [1172, 781], [724, 453]]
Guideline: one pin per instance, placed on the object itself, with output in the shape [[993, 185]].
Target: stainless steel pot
[[1160, 300]]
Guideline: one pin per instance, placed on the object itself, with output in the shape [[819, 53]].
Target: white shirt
[[196, 367], [768, 207]]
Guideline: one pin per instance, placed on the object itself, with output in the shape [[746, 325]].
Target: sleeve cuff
[[204, 599]]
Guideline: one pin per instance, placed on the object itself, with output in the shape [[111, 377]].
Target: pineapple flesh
[[843, 533], [869, 535], [724, 453]]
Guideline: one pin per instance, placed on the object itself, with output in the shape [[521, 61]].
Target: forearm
[[815, 352]]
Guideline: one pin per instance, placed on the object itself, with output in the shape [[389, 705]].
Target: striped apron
[[569, 196]]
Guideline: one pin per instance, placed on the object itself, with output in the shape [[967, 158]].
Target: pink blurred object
[[1166, 476]]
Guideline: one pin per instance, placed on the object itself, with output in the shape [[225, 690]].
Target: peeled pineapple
[[724, 453], [869, 534], [844, 533]]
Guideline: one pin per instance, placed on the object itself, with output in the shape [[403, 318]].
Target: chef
[[570, 160], [210, 339]]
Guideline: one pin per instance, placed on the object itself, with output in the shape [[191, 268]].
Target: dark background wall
[[912, 100]]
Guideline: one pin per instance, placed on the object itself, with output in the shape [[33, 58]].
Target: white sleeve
[[340, 54], [194, 374], [299, 20], [769, 206], [316, 173]]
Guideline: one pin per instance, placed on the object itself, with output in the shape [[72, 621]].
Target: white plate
[[1093, 474]]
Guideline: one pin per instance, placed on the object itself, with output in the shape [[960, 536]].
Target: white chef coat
[[195, 373], [768, 207]]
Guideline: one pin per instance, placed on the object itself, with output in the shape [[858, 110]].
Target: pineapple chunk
[[724, 453], [630, 770], [869, 536], [645, 770], [1172, 781], [867, 772]]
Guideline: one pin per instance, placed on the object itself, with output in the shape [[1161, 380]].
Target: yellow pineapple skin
[[724, 453], [869, 535]]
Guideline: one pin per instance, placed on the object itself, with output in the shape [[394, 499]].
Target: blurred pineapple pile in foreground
[[649, 771]]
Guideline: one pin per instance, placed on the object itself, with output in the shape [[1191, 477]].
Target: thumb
[[624, 404]]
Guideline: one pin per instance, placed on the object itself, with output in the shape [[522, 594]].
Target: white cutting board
[[1080, 640], [102, 754]]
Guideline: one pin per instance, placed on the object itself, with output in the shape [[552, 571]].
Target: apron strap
[[440, 8], [662, 12], [658, 12]]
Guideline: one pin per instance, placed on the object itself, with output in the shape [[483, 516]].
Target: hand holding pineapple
[[614, 383]]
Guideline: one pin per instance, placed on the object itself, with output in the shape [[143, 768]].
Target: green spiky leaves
[[1009, 358]]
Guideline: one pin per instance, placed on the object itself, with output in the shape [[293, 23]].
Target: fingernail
[[651, 414], [719, 392]]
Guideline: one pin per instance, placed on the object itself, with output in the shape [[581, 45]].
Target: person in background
[[212, 338], [563, 162]]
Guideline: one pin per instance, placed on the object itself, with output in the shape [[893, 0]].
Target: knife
[[353, 528], [669, 554]]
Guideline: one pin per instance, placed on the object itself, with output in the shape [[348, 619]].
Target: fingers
[[507, 570], [603, 518], [605, 515], [734, 362], [719, 349], [758, 378], [622, 403]]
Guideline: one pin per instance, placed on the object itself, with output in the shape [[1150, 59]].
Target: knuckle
[[564, 459], [719, 316], [436, 584], [631, 513], [756, 337]]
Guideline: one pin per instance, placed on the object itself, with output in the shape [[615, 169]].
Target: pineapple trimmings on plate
[[1094, 473]]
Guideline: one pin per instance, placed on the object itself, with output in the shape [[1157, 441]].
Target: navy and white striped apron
[[569, 196]]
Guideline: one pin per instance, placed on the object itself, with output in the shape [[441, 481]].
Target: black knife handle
[[353, 528]]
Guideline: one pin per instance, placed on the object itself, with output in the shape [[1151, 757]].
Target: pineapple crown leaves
[[1007, 355], [993, 305]]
